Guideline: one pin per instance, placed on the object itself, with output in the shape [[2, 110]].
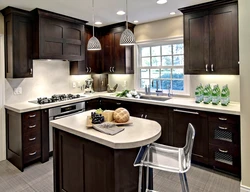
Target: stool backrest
[[189, 143]]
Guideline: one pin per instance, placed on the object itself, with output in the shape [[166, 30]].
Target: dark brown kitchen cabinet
[[93, 104], [23, 135], [92, 62], [224, 142], [58, 37], [18, 43], [179, 119], [115, 58], [211, 38]]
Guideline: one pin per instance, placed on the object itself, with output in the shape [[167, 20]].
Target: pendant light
[[127, 37], [93, 43]]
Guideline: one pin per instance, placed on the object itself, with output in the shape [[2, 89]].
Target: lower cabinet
[[224, 142], [179, 119], [92, 104], [23, 134]]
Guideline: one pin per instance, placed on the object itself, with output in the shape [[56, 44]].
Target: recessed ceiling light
[[161, 1], [120, 13], [172, 13], [136, 21], [98, 22]]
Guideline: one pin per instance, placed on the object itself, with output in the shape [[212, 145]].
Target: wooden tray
[[89, 122]]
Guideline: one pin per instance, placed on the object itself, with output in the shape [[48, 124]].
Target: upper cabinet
[[58, 37], [18, 43], [116, 58], [211, 38]]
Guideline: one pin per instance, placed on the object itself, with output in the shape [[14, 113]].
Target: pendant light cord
[[93, 9], [126, 14]]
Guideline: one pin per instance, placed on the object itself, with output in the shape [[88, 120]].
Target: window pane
[[145, 61], [144, 82], [177, 73], [156, 50], [145, 51], [155, 73], [165, 73], [144, 73], [166, 84], [178, 85], [156, 61], [166, 60], [178, 60], [167, 50], [178, 49]]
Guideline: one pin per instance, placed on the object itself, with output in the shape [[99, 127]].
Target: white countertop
[[186, 103], [141, 132]]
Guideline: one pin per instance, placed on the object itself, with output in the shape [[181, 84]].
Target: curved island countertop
[[141, 132]]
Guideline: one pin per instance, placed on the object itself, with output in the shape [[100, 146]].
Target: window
[[162, 65]]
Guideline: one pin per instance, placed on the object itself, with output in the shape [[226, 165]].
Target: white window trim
[[186, 91]]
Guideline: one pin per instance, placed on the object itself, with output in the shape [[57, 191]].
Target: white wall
[[2, 110], [244, 42]]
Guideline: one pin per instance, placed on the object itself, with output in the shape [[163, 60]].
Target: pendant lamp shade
[[127, 37], [93, 43]]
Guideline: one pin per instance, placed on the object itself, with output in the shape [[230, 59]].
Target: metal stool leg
[[185, 181], [140, 179]]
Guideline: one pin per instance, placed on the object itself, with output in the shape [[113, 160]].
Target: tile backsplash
[[50, 77]]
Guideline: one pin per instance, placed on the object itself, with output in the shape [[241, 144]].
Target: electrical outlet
[[18, 91], [74, 84]]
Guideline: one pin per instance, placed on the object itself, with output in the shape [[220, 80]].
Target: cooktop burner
[[55, 98]]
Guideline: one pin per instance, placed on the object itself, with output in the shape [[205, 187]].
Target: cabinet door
[[61, 40], [92, 104], [180, 119], [107, 56], [224, 50], [18, 45], [196, 45], [159, 114]]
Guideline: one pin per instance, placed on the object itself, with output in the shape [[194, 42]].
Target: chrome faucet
[[158, 92], [147, 89]]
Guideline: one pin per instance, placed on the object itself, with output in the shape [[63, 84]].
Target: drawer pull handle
[[183, 111], [223, 128], [31, 116], [31, 154], [32, 139], [222, 119], [145, 116], [32, 126], [118, 103], [141, 115], [223, 151]]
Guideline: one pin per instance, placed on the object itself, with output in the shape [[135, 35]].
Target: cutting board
[[89, 122]]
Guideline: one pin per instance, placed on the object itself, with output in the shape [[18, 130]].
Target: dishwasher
[[62, 112]]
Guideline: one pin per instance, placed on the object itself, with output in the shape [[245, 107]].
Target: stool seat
[[166, 158]]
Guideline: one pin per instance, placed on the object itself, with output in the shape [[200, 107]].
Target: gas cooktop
[[55, 98]]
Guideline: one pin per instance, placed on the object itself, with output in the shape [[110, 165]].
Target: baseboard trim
[[244, 188]]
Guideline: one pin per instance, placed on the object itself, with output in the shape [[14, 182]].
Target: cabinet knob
[[110, 69], [31, 71], [212, 67], [113, 69], [89, 69], [145, 116], [141, 115], [206, 67]]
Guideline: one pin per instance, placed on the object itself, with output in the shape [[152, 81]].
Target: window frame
[[159, 42]]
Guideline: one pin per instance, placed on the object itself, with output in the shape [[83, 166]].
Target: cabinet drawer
[[225, 158], [31, 126], [224, 118], [31, 138], [224, 133], [31, 116], [31, 153]]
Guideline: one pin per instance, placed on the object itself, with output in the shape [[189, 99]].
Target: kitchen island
[[88, 160]]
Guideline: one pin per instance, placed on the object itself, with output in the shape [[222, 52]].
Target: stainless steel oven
[[61, 112]]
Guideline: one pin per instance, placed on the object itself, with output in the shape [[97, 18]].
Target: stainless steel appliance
[[61, 112]]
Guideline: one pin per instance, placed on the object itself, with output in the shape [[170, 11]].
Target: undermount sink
[[155, 98]]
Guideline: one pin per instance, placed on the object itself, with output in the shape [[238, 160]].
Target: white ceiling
[[105, 10]]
